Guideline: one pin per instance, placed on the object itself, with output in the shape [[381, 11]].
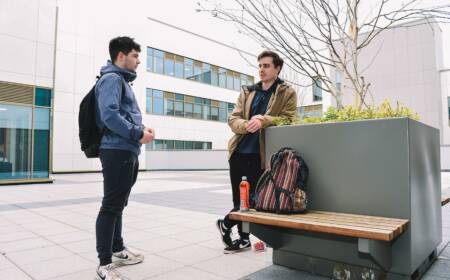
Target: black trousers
[[120, 169], [248, 165]]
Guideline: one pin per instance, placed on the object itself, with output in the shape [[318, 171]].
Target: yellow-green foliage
[[350, 113]]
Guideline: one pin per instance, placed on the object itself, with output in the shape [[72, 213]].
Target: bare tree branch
[[315, 36]]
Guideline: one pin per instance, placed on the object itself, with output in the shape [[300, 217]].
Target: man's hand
[[151, 130], [148, 136], [254, 124]]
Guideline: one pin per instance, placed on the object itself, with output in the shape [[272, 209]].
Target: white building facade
[[191, 70], [187, 84]]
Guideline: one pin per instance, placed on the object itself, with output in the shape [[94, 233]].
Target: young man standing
[[119, 114], [255, 109]]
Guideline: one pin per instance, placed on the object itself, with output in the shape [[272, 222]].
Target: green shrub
[[350, 113]]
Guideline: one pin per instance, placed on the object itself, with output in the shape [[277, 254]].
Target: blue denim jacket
[[118, 111]]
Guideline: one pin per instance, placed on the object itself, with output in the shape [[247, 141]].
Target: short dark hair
[[277, 60], [122, 44]]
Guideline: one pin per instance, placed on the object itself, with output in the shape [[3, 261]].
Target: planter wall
[[388, 167]]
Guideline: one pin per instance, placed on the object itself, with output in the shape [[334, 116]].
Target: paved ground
[[47, 230]]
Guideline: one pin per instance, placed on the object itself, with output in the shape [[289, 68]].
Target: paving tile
[[231, 266], [81, 246], [168, 230], [214, 243], [194, 236], [432, 277], [13, 273], [5, 263], [152, 265], [58, 267], [440, 268], [187, 273], [89, 274], [14, 236], [149, 224], [280, 272], [172, 223], [190, 254], [138, 235], [157, 244], [69, 237], [25, 244], [38, 255]]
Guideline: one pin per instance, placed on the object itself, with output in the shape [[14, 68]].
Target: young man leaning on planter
[[255, 109]]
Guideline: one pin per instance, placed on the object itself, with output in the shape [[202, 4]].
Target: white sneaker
[[126, 257], [109, 272]]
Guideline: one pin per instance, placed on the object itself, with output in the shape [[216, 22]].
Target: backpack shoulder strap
[[122, 79]]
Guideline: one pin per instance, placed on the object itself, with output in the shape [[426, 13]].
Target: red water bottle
[[244, 187]]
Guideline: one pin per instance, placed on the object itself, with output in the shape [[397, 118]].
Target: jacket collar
[[280, 84]]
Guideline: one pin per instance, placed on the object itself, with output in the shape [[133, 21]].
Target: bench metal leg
[[380, 251], [270, 235], [246, 227]]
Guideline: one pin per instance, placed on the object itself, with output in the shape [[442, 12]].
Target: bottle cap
[[244, 178]]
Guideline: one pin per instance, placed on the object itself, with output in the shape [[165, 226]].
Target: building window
[[236, 81], [206, 75], [198, 71], [41, 142], [338, 78], [206, 109], [198, 107], [163, 144], [222, 78], [215, 76], [150, 59], [448, 101], [230, 109], [223, 111], [230, 79], [24, 132], [186, 106], [179, 66], [169, 64], [169, 103], [317, 90], [188, 69], [158, 61], [43, 97], [15, 141], [158, 102], [149, 100]]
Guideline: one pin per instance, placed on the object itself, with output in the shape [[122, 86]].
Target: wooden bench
[[360, 226], [374, 234]]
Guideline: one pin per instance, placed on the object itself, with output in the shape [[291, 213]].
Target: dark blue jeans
[[120, 169], [242, 165]]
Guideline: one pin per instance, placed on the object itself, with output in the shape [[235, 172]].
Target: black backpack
[[89, 133]]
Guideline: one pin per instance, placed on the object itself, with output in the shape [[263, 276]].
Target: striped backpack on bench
[[280, 189]]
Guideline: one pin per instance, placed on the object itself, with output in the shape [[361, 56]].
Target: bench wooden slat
[[333, 220], [354, 219], [359, 220], [350, 219], [337, 226], [393, 221]]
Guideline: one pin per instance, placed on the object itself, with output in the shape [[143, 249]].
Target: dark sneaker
[[238, 245], [225, 234], [126, 257]]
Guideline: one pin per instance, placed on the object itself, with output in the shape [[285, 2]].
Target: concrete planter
[[387, 167]]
